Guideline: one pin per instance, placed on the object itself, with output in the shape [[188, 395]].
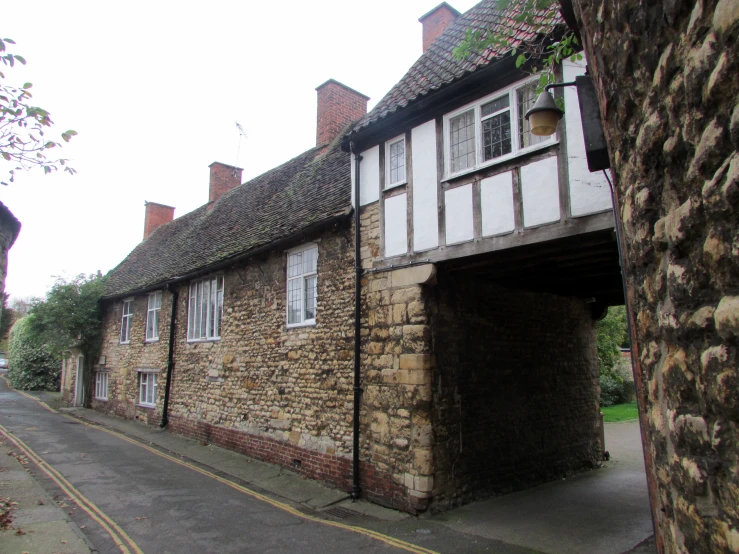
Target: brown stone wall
[[667, 79], [123, 361], [278, 394], [292, 385], [515, 394], [397, 362]]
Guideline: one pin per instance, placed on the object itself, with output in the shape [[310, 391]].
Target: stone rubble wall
[[667, 75], [515, 391], [281, 395]]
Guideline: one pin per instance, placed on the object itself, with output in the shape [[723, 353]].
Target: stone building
[[486, 254], [233, 323]]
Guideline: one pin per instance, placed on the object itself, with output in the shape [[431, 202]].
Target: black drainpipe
[[170, 357], [356, 489]]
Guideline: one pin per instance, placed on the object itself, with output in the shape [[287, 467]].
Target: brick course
[[155, 216], [338, 106]]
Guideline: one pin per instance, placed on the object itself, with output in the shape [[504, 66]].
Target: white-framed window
[[127, 312], [302, 285], [101, 385], [152, 316], [147, 388], [205, 309], [491, 129], [395, 162]]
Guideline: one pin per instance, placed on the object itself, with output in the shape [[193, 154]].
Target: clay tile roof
[[438, 67], [300, 193]]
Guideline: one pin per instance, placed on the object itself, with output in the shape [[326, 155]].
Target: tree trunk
[[667, 78]]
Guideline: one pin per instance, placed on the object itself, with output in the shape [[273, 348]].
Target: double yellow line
[[124, 543], [392, 541]]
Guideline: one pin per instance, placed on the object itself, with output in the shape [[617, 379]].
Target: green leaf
[[20, 58], [27, 85], [520, 60]]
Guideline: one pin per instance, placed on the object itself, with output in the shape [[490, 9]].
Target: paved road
[[165, 505], [161, 505]]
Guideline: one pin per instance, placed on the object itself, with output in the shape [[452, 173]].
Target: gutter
[[170, 357], [356, 489], [269, 247]]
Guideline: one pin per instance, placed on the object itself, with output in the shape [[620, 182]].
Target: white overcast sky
[[154, 90]]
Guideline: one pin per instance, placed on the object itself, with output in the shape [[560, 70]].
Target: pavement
[[30, 519], [168, 508]]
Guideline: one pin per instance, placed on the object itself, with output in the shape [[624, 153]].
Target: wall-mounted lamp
[[545, 114]]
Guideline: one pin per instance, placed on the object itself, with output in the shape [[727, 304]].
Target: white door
[[79, 384]]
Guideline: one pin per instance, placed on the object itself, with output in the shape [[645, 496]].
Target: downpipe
[[356, 489], [170, 357]]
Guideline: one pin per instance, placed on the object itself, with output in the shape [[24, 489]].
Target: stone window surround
[[153, 312], [101, 384], [388, 145], [303, 322], [516, 151], [152, 378], [220, 279], [126, 317]]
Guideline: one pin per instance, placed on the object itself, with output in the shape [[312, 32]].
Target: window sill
[[198, 341], [396, 185], [501, 160], [100, 399], [146, 406], [127, 342], [151, 341], [309, 323]]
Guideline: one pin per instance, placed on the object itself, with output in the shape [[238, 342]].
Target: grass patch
[[620, 412]]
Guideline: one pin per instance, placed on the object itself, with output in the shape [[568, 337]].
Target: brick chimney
[[338, 105], [156, 216], [436, 21], [223, 178]]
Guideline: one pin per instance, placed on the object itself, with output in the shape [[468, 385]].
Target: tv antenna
[[242, 134]]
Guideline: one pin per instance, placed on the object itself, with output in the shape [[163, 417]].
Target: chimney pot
[[223, 178], [338, 105], [156, 216], [436, 21]]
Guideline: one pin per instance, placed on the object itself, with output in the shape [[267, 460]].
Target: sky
[[155, 89]]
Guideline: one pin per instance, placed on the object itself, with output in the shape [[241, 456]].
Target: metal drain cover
[[341, 513]]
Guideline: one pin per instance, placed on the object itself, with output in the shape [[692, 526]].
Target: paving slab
[[38, 523]]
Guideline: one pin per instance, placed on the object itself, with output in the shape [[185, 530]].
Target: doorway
[[79, 382]]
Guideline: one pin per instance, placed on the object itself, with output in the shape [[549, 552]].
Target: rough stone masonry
[[667, 75]]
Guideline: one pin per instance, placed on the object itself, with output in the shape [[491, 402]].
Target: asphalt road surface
[[139, 501]]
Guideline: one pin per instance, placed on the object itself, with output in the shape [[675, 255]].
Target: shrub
[[31, 366], [611, 390]]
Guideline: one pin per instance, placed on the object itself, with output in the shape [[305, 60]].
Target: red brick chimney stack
[[223, 178], [338, 105], [156, 216], [436, 21]]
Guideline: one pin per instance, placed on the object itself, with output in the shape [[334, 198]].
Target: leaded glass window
[[462, 141], [302, 285], [205, 309], [396, 162]]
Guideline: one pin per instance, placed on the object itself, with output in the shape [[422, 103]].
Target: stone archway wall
[[515, 389], [9, 229], [667, 78]]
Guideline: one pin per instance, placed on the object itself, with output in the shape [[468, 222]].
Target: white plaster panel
[[458, 209], [425, 196], [540, 192], [369, 173], [496, 202], [396, 226], [589, 192]]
